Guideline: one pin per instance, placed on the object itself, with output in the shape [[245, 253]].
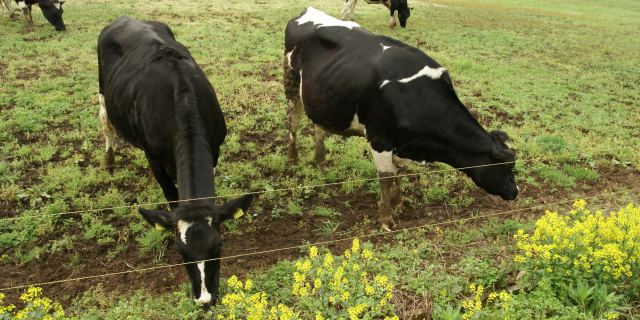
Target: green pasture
[[562, 79]]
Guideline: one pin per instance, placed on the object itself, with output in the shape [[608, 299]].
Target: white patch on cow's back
[[384, 161], [433, 73], [384, 47], [183, 226], [324, 20], [21, 5], [357, 126], [383, 83], [205, 296]]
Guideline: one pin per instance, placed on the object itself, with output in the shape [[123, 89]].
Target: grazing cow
[[352, 82], [51, 9], [154, 95], [393, 5]]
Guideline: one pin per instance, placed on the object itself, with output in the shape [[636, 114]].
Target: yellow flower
[[248, 285], [367, 254], [369, 290], [356, 245], [313, 252]]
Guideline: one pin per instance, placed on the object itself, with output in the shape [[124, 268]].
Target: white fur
[[288, 56], [384, 47], [426, 71], [22, 5], [183, 226], [403, 162], [383, 83], [357, 126], [109, 133], [324, 20], [205, 296], [57, 5], [384, 161]]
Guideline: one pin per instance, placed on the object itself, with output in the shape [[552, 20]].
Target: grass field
[[562, 79]]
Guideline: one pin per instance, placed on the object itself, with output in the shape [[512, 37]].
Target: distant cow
[[154, 95], [393, 5], [51, 9], [352, 82]]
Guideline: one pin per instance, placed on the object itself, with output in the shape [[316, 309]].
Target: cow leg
[[388, 186], [165, 181], [109, 135], [12, 14], [292, 91], [321, 161], [294, 113], [348, 5], [392, 22], [26, 11]]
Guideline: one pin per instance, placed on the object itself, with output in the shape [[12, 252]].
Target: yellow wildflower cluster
[[240, 305], [499, 301], [322, 288], [326, 285], [37, 307], [584, 243]]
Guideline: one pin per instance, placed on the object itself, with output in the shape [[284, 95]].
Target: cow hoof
[[386, 225], [323, 166]]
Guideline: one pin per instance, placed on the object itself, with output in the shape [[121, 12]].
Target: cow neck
[[468, 140], [192, 151]]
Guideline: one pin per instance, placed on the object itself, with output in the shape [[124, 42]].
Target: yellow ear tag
[[239, 213], [159, 227]]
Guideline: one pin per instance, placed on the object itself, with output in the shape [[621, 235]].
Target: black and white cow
[[393, 5], [350, 81], [51, 9], [154, 95]]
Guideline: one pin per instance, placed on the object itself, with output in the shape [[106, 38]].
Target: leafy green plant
[[327, 228], [596, 301], [155, 241]]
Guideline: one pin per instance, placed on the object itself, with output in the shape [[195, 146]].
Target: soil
[[266, 233]]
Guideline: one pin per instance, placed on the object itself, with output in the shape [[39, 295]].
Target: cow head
[[497, 179], [52, 10], [403, 12], [197, 229]]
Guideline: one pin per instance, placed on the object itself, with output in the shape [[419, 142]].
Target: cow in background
[[393, 5], [350, 81], [154, 95], [51, 9]]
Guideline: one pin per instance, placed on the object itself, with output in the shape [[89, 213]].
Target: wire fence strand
[[533, 160], [383, 233]]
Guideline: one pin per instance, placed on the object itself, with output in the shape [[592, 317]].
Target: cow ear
[[411, 9], [158, 219], [500, 136], [234, 209]]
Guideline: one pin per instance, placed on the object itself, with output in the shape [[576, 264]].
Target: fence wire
[[431, 225]]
